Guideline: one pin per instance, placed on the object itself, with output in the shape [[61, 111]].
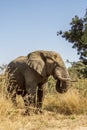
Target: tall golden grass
[[70, 103], [74, 101]]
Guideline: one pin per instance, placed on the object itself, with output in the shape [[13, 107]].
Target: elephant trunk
[[63, 82], [62, 86]]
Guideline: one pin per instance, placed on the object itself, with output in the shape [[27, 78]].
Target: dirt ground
[[70, 123], [48, 121]]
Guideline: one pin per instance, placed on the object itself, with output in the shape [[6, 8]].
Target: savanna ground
[[61, 111]]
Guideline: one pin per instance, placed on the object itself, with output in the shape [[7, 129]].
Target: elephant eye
[[55, 64], [55, 56]]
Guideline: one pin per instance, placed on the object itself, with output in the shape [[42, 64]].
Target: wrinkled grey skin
[[27, 76]]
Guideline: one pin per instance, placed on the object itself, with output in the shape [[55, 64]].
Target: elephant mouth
[[62, 86]]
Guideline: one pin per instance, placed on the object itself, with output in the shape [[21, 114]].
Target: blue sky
[[29, 25]]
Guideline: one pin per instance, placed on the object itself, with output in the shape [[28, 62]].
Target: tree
[[77, 69], [77, 35]]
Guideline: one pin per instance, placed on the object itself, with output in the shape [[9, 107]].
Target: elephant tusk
[[74, 80], [60, 77], [64, 79]]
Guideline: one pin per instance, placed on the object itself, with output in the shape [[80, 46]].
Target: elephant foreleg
[[29, 102], [39, 97], [26, 102], [31, 93]]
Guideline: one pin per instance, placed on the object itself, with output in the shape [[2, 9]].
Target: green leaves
[[77, 35]]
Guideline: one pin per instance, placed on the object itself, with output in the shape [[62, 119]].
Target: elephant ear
[[36, 62]]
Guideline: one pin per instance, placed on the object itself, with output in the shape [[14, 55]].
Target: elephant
[[27, 76]]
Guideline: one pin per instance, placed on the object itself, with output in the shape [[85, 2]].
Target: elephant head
[[48, 63], [61, 74]]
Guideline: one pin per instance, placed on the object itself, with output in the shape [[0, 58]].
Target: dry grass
[[81, 85], [11, 119], [61, 112], [69, 103]]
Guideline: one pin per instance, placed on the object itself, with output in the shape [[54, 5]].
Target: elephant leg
[[40, 94], [30, 97], [29, 102], [26, 100]]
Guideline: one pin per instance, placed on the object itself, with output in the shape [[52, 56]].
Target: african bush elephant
[[27, 76]]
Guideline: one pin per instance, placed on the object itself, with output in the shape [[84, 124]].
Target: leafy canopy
[[77, 35]]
